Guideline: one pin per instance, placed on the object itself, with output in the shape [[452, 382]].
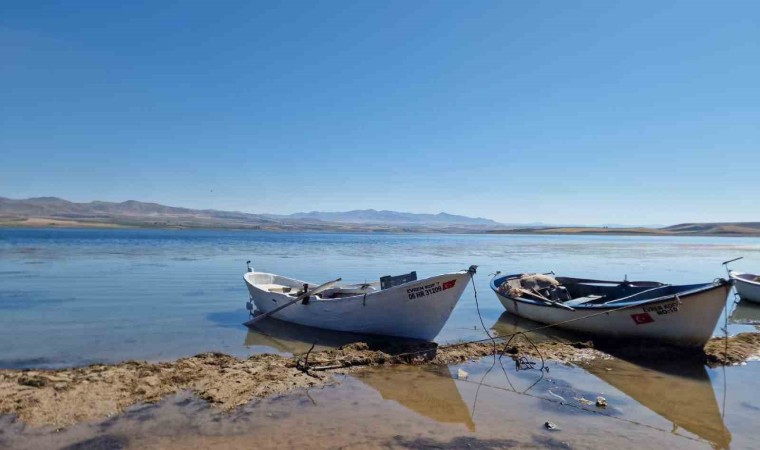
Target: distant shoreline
[[54, 223], [54, 212], [57, 223], [616, 232]]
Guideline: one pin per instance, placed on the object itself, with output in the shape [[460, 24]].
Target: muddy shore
[[59, 398]]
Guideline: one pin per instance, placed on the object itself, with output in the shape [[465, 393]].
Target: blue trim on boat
[[682, 291]]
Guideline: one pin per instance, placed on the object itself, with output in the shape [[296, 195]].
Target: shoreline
[[64, 397], [53, 224]]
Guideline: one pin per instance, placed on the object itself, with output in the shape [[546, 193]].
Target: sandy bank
[[62, 397]]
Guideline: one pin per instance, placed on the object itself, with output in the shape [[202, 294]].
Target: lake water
[[74, 297]]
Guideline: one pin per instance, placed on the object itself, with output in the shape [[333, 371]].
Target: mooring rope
[[532, 330], [471, 271], [494, 339], [521, 362]]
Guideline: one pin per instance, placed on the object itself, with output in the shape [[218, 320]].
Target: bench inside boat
[[294, 288], [575, 292], [751, 277]]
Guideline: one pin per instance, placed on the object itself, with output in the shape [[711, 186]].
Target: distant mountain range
[[372, 216], [53, 211]]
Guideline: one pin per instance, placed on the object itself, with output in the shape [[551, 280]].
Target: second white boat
[[680, 315]]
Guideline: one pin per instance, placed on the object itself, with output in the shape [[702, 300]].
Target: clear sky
[[638, 112]]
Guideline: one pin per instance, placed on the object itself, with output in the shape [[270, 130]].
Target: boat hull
[[686, 321], [415, 310], [747, 290]]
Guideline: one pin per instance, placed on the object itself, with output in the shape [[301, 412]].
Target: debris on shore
[[62, 397]]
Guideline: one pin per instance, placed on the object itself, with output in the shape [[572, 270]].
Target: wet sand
[[63, 397]]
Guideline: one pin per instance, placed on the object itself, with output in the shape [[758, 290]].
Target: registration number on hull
[[665, 308], [429, 289]]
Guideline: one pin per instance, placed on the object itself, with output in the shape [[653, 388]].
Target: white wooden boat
[[747, 285], [415, 309], [679, 315]]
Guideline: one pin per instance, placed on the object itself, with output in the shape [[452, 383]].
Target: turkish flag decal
[[642, 318], [449, 284]]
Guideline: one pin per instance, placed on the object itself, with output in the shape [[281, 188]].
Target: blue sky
[[521, 111]]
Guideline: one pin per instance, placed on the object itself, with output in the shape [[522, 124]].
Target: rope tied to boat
[[524, 363], [510, 335], [472, 271], [521, 361]]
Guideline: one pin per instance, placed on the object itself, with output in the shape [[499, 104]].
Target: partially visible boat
[[683, 315], [397, 306], [747, 285]]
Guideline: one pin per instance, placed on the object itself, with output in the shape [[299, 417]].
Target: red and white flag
[[642, 318]]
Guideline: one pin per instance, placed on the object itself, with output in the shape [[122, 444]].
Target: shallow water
[[72, 297]]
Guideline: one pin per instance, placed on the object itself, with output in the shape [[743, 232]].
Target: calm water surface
[[73, 297]]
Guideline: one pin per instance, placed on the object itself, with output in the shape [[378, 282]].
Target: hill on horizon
[[369, 216], [725, 228], [54, 211], [136, 213]]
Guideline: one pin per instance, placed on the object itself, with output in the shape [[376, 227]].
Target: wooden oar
[[308, 293], [571, 280], [541, 297]]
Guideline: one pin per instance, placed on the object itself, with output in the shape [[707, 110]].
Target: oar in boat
[[726, 263], [570, 280], [548, 300], [309, 293]]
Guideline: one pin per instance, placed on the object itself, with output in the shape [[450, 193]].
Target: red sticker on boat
[[449, 284], [642, 318]]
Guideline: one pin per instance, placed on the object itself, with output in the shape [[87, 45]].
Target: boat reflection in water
[[430, 391], [746, 313], [297, 339], [677, 389], [509, 324]]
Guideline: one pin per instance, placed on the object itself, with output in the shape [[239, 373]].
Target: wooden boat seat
[[582, 300], [275, 288], [388, 281]]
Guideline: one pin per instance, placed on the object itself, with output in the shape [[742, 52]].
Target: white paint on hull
[[688, 321], [416, 310], [746, 288]]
